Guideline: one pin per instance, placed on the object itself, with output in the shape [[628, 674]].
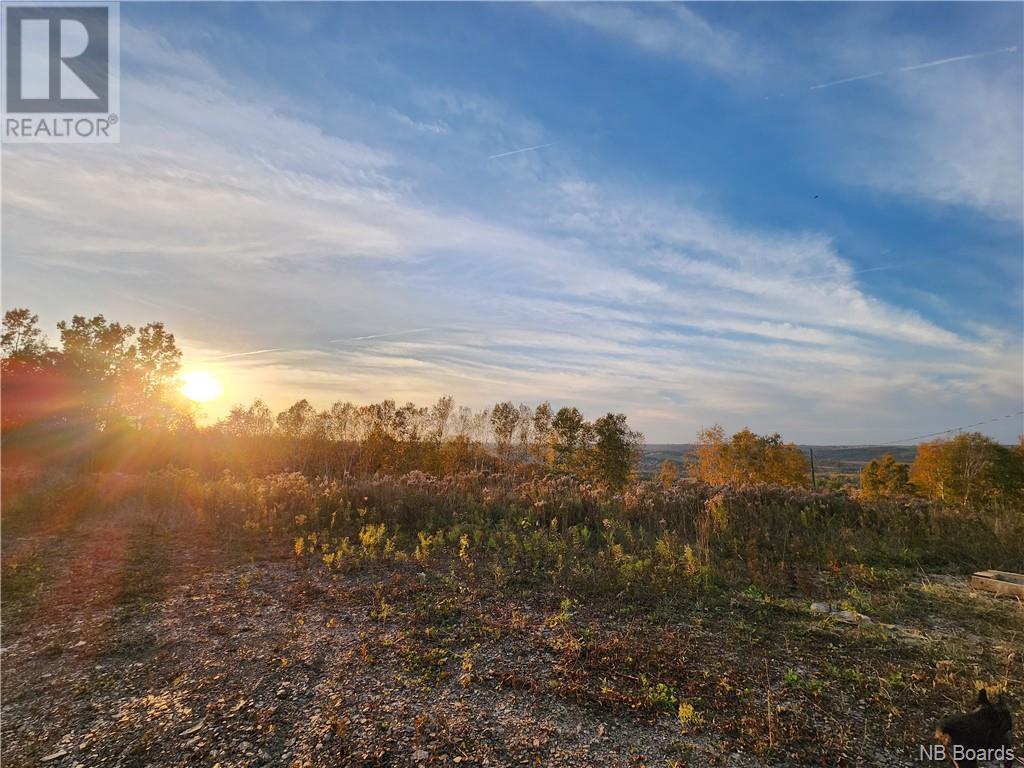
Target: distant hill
[[828, 459]]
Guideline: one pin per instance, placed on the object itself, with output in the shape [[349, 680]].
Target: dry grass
[[470, 621]]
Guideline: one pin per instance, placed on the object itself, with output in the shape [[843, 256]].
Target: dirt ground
[[125, 644]]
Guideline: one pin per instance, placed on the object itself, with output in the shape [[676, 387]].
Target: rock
[[420, 755], [847, 617], [193, 729], [55, 756]]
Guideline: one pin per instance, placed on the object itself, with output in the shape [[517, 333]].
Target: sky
[[803, 218]]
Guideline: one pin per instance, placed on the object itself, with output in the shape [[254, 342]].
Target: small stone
[[193, 729]]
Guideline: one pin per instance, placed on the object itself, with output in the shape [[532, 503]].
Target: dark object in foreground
[[984, 733], [1000, 582]]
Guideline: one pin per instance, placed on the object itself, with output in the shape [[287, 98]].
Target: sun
[[200, 386]]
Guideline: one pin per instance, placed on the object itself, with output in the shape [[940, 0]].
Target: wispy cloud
[[436, 127], [668, 29], [952, 139], [612, 297]]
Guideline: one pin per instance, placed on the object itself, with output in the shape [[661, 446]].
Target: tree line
[[108, 389], [969, 470], [105, 397], [441, 439]]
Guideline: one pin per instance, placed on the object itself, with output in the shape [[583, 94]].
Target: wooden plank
[[1000, 582]]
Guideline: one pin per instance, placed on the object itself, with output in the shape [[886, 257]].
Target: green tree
[[540, 447], [120, 376], [23, 343], [616, 450], [146, 384], [570, 435]]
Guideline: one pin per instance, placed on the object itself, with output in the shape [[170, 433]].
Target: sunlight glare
[[200, 386]]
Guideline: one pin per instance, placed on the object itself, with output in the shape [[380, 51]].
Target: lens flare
[[200, 386]]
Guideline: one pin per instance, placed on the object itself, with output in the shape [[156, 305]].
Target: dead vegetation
[[164, 620]]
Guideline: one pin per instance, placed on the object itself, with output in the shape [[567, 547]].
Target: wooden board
[[1000, 582]]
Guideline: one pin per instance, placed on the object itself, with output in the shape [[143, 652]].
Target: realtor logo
[[61, 81]]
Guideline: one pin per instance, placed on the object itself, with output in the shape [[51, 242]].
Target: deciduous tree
[[616, 450], [884, 478], [504, 418], [748, 458], [969, 470]]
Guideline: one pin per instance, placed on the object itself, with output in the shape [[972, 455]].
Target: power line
[[931, 434]]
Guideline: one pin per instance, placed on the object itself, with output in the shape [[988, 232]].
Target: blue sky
[[716, 230]]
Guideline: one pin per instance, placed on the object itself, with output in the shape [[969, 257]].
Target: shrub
[[559, 531]]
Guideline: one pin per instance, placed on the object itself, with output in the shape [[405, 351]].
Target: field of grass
[[169, 619]]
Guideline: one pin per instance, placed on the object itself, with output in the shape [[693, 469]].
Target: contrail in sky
[[846, 274], [246, 354], [379, 335], [332, 341], [518, 151], [912, 67]]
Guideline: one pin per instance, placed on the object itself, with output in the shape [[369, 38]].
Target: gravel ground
[[150, 648]]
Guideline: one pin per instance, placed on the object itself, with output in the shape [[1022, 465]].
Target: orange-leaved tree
[[748, 458], [969, 470], [884, 478]]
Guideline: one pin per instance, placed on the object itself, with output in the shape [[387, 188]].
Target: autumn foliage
[[103, 399], [747, 459], [969, 470], [884, 478]]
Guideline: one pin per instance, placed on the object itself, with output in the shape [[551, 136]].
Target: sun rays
[[200, 386]]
